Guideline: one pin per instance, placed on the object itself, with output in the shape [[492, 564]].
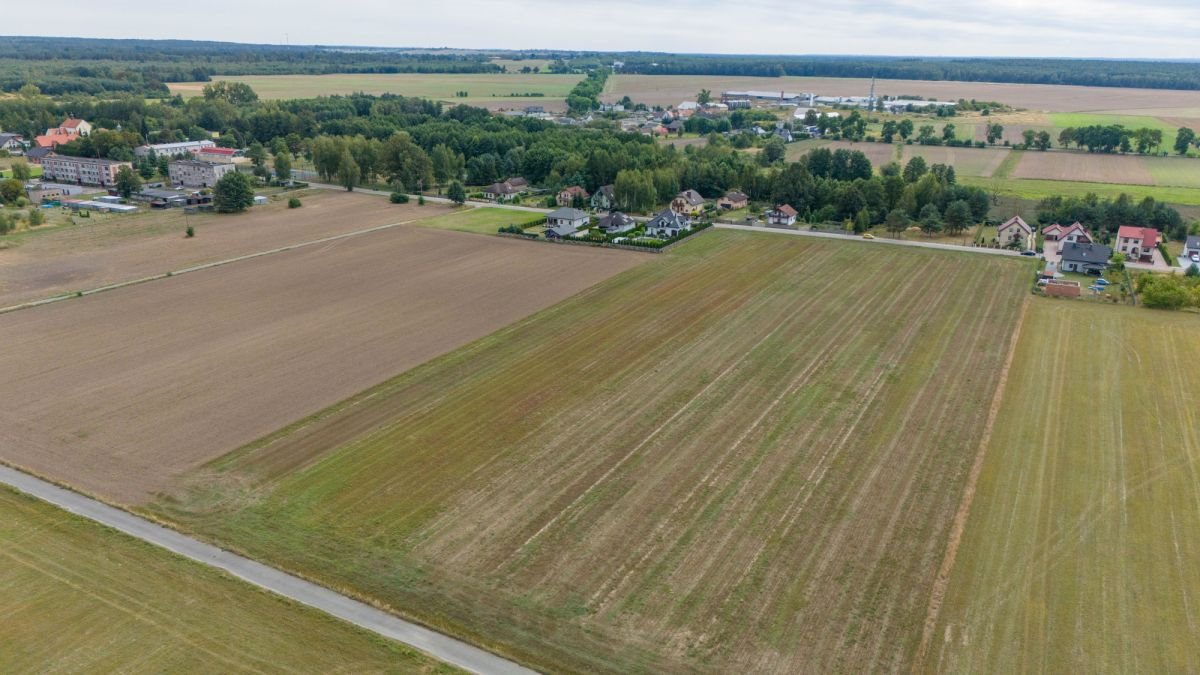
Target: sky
[[1060, 28]]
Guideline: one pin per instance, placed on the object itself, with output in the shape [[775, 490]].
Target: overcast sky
[[1080, 28]]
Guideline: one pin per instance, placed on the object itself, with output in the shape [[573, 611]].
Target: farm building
[[616, 223], [1071, 233], [1015, 232], [669, 223], [1085, 258], [565, 222], [733, 200], [604, 200], [782, 215], [1137, 243], [688, 202], [568, 196]]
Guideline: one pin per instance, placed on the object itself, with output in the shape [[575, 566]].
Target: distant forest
[[1136, 74], [95, 66]]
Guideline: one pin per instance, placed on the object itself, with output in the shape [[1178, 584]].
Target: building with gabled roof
[[1137, 243]]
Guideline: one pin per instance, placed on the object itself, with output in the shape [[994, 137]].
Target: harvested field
[[966, 161], [1084, 167], [671, 89], [490, 90], [743, 458], [78, 597], [879, 153], [122, 248], [1082, 551], [170, 374]]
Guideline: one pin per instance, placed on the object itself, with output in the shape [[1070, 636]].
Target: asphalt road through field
[[360, 614]]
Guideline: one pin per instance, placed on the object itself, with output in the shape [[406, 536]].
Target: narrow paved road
[[360, 614]]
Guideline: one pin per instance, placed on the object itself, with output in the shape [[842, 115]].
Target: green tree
[[704, 97], [457, 193], [234, 93], [1030, 136], [773, 150], [36, 217], [20, 170], [905, 128], [889, 131], [957, 217], [1042, 141], [995, 132], [948, 133], [931, 220], [348, 173], [326, 156], [128, 182], [915, 169], [233, 193], [897, 221], [283, 166], [634, 191], [257, 154], [1184, 140]]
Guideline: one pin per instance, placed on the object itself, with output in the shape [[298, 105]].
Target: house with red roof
[[783, 214], [71, 129], [568, 196], [1137, 243], [1076, 234]]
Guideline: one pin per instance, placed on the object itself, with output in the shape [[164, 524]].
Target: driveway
[[1158, 265], [1051, 252]]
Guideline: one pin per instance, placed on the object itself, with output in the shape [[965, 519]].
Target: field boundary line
[[294, 588], [938, 594], [855, 238], [197, 268]]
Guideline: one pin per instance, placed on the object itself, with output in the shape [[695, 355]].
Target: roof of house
[[504, 188], [72, 123], [1063, 230], [786, 210], [615, 219], [38, 153], [1094, 254], [670, 218], [1193, 243], [517, 181], [6, 137], [735, 196], [567, 213], [49, 140], [575, 190], [1015, 221], [606, 190], [1148, 235], [692, 197]]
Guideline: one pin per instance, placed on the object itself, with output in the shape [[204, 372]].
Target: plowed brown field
[[745, 457], [119, 392]]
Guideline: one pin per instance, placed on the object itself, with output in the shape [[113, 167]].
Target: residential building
[[1191, 249], [1015, 232], [616, 223], [565, 222], [1068, 233], [81, 170], [733, 200], [1137, 243], [215, 154], [37, 154], [688, 202], [13, 143], [782, 215], [173, 149], [195, 173], [1084, 258], [506, 191], [604, 200], [69, 130], [76, 126], [568, 196], [668, 223], [675, 127]]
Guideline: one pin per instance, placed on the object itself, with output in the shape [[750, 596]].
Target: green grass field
[[743, 455], [481, 220], [1082, 551], [1033, 189], [488, 89], [78, 597]]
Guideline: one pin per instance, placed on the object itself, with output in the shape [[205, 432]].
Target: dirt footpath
[[131, 247], [119, 392]]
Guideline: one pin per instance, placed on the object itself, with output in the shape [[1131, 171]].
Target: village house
[[782, 215], [14, 144], [1076, 233], [506, 191], [81, 170], [667, 224], [195, 173], [173, 149], [565, 222], [688, 202], [604, 200], [616, 222], [1015, 232], [568, 196], [1084, 258], [1191, 249], [733, 200], [70, 130], [1137, 243]]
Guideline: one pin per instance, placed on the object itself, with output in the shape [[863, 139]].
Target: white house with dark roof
[[564, 222], [1015, 231], [1084, 258], [1191, 249], [668, 223], [616, 222]]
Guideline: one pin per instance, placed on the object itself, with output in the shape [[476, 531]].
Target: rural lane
[[447, 649]]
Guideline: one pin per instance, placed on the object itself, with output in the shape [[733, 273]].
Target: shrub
[[398, 198], [294, 203], [420, 200], [36, 217], [189, 232]]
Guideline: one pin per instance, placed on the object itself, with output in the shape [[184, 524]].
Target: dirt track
[[119, 392], [88, 256]]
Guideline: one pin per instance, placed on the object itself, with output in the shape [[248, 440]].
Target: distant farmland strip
[[1082, 553], [745, 457]]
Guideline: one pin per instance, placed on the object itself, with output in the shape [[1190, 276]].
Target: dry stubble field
[[77, 597], [117, 393], [743, 457], [1082, 552]]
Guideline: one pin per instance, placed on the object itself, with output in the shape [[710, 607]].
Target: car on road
[[868, 235], [1029, 253]]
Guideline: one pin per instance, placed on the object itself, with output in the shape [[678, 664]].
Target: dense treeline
[[1139, 74], [1105, 216], [93, 66]]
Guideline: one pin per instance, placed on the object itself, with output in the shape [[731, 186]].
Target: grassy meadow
[[1082, 551], [78, 597], [480, 220], [743, 455]]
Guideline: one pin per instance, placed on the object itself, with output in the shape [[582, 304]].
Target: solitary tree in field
[[948, 133], [233, 193], [11, 190], [128, 182], [457, 193], [994, 133], [348, 172], [905, 128], [1183, 140], [888, 133], [1029, 135]]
